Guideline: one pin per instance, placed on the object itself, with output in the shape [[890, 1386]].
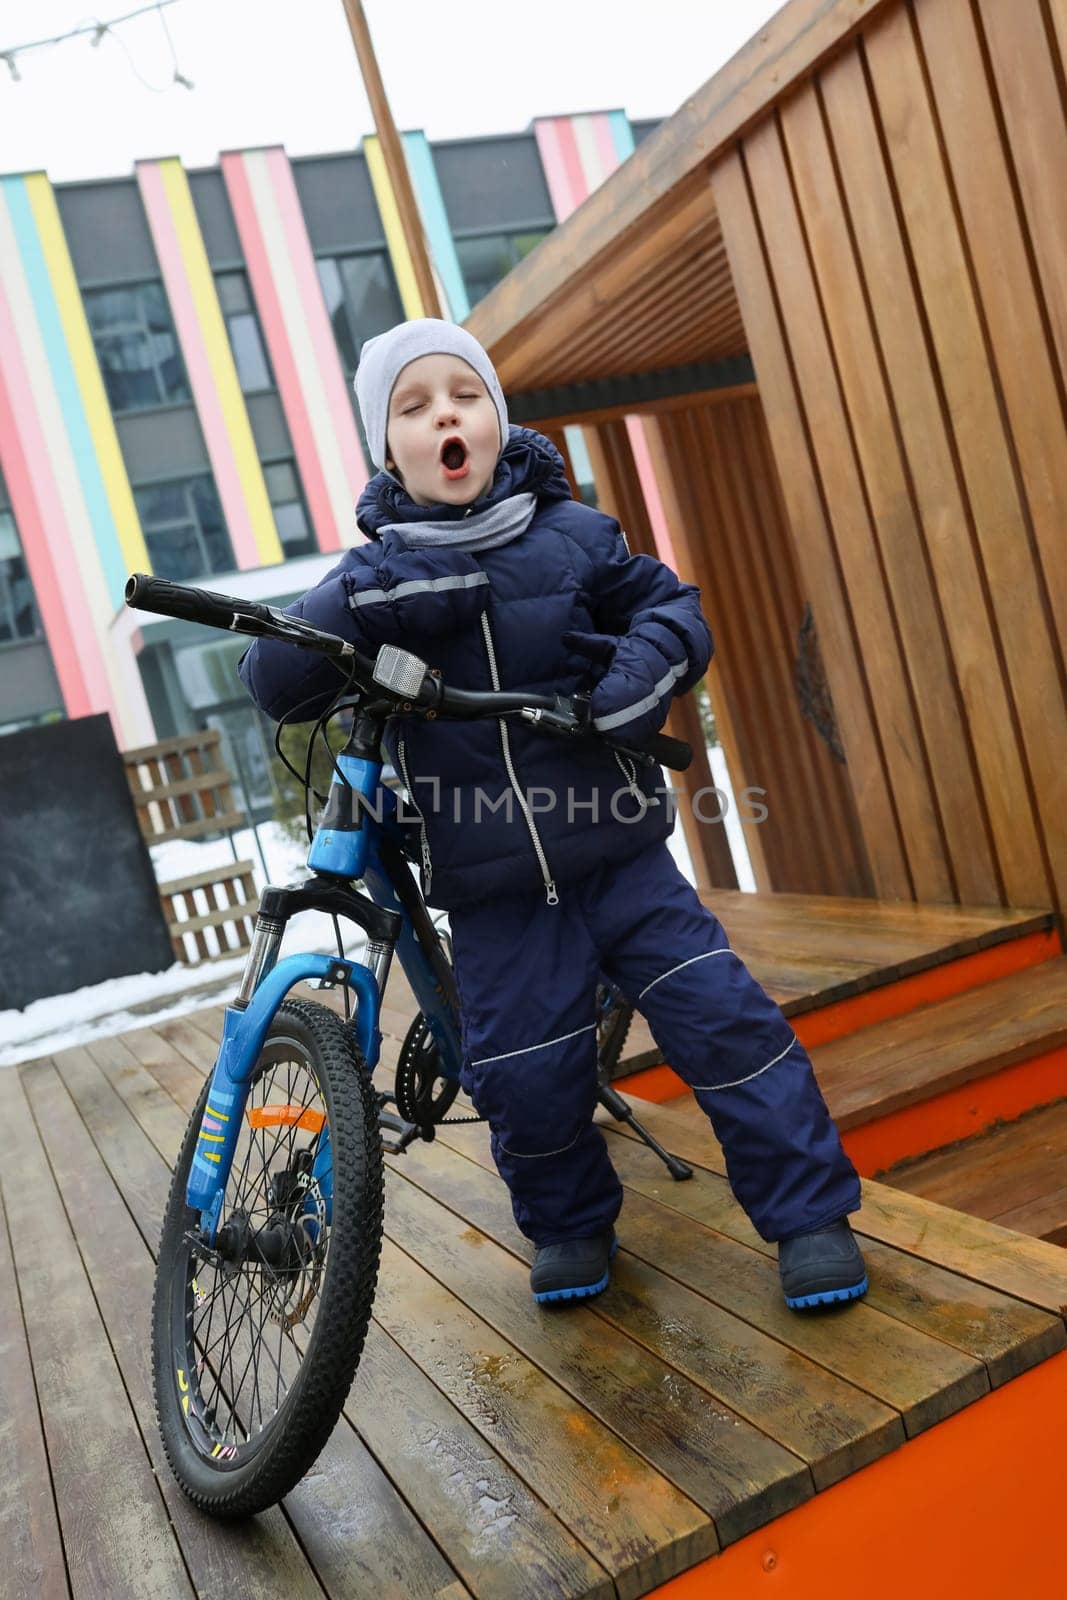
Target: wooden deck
[[490, 1448]]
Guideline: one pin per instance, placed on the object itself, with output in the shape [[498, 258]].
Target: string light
[[99, 31]]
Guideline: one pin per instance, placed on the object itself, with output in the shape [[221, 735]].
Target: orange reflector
[[286, 1116]]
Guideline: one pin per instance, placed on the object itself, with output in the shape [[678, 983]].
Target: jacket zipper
[[427, 864], [629, 772], [551, 892]]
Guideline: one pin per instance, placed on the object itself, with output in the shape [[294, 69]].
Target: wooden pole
[[395, 162], [619, 494]]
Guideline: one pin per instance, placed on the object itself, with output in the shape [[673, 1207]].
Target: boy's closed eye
[[416, 405]]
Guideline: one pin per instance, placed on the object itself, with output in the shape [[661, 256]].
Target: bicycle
[[270, 1244]]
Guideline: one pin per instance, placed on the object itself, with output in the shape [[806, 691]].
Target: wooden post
[[688, 570], [620, 496], [395, 161]]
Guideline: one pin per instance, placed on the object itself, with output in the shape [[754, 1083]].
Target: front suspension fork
[[244, 1029]]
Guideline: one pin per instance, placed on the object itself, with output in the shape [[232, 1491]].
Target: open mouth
[[454, 458]]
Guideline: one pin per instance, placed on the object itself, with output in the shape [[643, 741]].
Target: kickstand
[[614, 1102]]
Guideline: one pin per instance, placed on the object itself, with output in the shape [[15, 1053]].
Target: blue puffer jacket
[[505, 808]]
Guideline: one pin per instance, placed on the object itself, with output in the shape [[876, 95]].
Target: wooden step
[[1014, 1175], [897, 1063], [911, 1084]]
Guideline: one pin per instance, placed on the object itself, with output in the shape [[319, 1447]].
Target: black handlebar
[[236, 616], [193, 605], [552, 714]]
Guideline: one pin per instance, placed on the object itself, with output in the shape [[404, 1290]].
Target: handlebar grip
[[192, 605], [673, 753]]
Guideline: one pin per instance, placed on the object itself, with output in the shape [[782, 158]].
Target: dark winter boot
[[573, 1270], [820, 1267]]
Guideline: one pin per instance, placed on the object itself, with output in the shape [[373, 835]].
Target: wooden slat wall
[[897, 232], [620, 495], [731, 534]]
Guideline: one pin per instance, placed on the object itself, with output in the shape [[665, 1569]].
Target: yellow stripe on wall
[[87, 373], [220, 357], [399, 253]]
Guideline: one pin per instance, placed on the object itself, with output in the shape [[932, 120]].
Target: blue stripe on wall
[[435, 221], [622, 134], [66, 385]]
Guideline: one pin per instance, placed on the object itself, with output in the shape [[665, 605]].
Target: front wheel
[[256, 1342]]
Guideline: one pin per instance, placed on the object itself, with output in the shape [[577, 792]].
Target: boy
[[549, 857]]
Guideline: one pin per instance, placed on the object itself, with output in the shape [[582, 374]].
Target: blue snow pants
[[527, 974]]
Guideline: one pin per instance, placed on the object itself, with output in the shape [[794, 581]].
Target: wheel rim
[[242, 1319]]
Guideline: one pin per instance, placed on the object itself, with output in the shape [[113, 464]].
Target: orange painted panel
[[973, 1507], [923, 988], [958, 1113]]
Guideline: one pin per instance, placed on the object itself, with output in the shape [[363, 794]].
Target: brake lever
[[642, 757], [568, 719], [291, 630]]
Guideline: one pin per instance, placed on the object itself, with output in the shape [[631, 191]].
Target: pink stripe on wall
[[562, 193], [194, 351], [39, 562], [281, 354], [572, 161], [318, 325], [646, 474], [45, 537], [605, 144]]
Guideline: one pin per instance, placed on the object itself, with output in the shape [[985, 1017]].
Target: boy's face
[[442, 434]]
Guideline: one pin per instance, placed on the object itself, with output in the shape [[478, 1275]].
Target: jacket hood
[[529, 464]]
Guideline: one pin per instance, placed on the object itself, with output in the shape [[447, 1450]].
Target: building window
[[136, 346], [290, 514], [18, 610], [242, 325], [184, 528], [488, 257], [361, 298]]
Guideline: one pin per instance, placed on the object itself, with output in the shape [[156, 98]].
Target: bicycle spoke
[[241, 1352], [246, 1328]]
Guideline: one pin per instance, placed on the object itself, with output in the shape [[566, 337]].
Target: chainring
[[423, 1093]]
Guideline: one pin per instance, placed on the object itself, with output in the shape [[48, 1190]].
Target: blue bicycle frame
[[357, 838]]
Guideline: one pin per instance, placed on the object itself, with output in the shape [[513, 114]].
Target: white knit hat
[[383, 358]]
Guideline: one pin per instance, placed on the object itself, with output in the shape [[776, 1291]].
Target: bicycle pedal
[[406, 1132]]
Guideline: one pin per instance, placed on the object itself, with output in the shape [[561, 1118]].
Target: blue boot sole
[[827, 1297], [583, 1291]]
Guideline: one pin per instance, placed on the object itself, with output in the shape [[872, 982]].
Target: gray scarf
[[477, 531]]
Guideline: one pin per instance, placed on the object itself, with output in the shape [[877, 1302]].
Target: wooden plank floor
[[490, 1448]]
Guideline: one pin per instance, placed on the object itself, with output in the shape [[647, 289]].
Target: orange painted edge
[[654, 1083], [957, 1113], [972, 1506], [923, 988], [843, 1017]]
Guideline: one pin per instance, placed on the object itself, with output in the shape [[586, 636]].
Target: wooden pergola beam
[[642, 199], [636, 408]]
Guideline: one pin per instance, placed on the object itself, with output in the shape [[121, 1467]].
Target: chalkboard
[[78, 899]]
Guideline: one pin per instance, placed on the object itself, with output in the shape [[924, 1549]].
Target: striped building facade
[[176, 356]]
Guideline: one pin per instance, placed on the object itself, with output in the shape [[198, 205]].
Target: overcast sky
[[284, 72]]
